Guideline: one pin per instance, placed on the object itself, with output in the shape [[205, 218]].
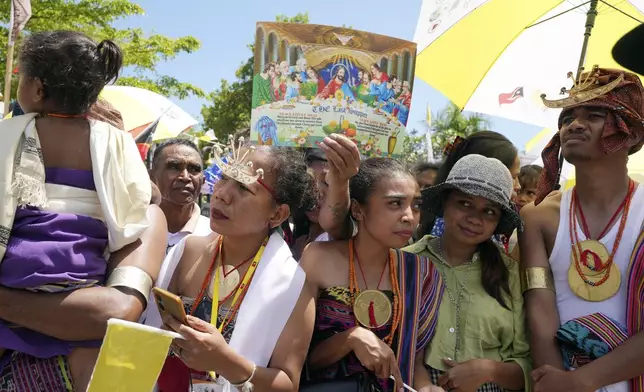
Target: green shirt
[[487, 329]]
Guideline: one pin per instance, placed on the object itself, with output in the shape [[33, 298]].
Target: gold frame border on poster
[[368, 48]]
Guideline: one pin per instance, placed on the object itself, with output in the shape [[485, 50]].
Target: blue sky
[[225, 28]]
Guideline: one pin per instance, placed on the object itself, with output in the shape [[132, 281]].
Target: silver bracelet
[[247, 386]]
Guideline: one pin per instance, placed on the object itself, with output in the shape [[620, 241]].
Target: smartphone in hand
[[170, 304]]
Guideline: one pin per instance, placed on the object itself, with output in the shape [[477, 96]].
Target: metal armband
[[133, 278], [537, 278]]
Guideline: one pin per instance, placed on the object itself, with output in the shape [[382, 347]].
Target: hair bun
[[111, 59]]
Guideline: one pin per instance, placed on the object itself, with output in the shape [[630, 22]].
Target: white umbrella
[[498, 56]]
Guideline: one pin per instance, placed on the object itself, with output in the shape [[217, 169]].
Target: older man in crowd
[[177, 170]]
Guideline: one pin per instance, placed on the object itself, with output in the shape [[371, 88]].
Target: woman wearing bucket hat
[[480, 341], [489, 144]]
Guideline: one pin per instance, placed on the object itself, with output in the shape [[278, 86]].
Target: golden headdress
[[589, 86], [233, 164]]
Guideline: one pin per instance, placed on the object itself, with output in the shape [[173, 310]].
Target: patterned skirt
[[489, 387], [24, 373]]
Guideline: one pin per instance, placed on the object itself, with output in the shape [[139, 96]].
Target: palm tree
[[451, 122]]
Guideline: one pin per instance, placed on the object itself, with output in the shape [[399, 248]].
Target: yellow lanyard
[[245, 282], [242, 287]]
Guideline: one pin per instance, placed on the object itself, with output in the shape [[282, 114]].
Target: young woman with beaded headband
[[480, 342], [375, 304], [75, 193], [250, 314]]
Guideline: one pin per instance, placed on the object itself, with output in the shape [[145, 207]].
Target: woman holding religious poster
[[376, 306]]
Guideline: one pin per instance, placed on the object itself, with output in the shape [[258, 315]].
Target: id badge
[[206, 386]]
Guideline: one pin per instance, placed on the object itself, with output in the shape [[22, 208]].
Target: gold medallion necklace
[[593, 275]]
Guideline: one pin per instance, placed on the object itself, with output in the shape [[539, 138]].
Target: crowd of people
[[318, 270]]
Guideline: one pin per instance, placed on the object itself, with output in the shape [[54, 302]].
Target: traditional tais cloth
[[635, 305], [421, 290], [27, 373], [585, 339], [625, 105]]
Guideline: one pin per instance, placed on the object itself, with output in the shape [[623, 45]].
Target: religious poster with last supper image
[[312, 81]]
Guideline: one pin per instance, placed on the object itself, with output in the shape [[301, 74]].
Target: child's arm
[[82, 314]]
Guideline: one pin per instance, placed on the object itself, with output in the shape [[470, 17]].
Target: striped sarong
[[421, 290], [635, 305], [21, 372], [587, 338]]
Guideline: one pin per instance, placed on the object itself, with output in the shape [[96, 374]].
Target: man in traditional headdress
[[582, 288]]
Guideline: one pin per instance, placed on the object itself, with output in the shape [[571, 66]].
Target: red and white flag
[[509, 98], [20, 14]]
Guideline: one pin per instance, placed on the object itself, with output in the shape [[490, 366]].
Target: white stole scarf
[[264, 311], [121, 179]]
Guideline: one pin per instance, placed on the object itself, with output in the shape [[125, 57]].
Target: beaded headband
[[586, 89]]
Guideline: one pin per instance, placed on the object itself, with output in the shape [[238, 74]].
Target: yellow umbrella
[[498, 56], [140, 107]]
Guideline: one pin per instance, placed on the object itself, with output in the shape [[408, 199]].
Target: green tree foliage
[[230, 105], [451, 122], [96, 18], [414, 148]]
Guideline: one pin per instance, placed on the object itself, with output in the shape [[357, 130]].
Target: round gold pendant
[[593, 255], [372, 308], [229, 283]]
